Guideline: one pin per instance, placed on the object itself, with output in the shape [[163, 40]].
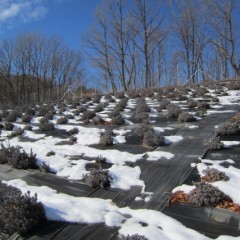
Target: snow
[[230, 143], [156, 155], [63, 207], [172, 139], [193, 126], [125, 177], [185, 188]]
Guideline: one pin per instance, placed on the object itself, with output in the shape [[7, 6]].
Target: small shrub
[[133, 94], [203, 106], [101, 160], [8, 126], [140, 131], [152, 140], [43, 110], [213, 143], [73, 131], [142, 106], [30, 111], [98, 120], [235, 118], [142, 116], [98, 108], [106, 138], [173, 110], [69, 116], [73, 139], [163, 104], [132, 237], [74, 105], [18, 132], [49, 115], [182, 97], [14, 157], [88, 115], [228, 128], [121, 105], [119, 95], [62, 120], [215, 99], [206, 195], [118, 120], [45, 125], [213, 175], [19, 213], [108, 97], [28, 128], [81, 109], [98, 178], [96, 98], [186, 117], [191, 103], [26, 118], [51, 153], [12, 116]]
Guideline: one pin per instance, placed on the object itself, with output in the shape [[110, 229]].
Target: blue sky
[[66, 18]]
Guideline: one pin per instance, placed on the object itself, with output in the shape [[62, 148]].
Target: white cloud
[[17, 11]]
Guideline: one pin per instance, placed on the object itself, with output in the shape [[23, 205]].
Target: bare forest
[[131, 45]]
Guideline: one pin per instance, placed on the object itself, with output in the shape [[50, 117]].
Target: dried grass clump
[[73, 131], [191, 103], [98, 178], [142, 116], [26, 118], [173, 110], [17, 132], [99, 108], [106, 138], [96, 98], [16, 158], [228, 128], [12, 116], [118, 120], [213, 143], [98, 120], [88, 115], [43, 110], [215, 99], [8, 126], [121, 105], [203, 106], [133, 94], [213, 175], [62, 120], [19, 213], [163, 104], [140, 131], [119, 95], [142, 106], [45, 125], [235, 118], [186, 117], [206, 195], [152, 140], [28, 128]]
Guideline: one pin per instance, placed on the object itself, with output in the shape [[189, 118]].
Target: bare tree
[[150, 33], [192, 37], [225, 24]]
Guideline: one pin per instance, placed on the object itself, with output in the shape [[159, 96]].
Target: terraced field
[[113, 166]]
